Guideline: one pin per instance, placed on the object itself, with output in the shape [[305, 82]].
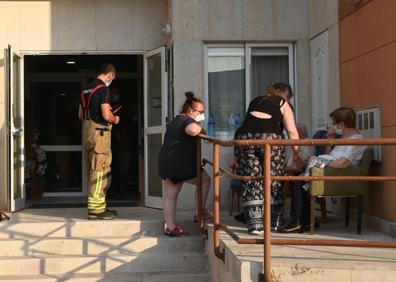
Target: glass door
[[16, 146], [52, 111], [155, 114]]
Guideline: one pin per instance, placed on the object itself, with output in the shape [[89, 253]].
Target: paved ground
[[317, 256]]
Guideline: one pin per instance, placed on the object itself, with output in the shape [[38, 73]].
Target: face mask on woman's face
[[199, 118], [339, 131]]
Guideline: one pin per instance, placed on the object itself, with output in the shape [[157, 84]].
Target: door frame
[[46, 53], [150, 201], [13, 132], [291, 63]]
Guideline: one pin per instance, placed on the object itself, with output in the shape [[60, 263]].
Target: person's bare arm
[[193, 129], [290, 124], [108, 115], [341, 163], [80, 112]]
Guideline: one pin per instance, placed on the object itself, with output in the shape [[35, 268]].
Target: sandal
[[177, 231]]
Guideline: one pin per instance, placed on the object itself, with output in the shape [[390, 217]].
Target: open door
[[155, 114], [15, 121]]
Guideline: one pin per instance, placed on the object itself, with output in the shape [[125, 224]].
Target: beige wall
[[92, 25], [368, 59], [195, 22], [72, 25]]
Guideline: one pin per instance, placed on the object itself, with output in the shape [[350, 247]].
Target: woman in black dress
[[177, 160], [265, 119]]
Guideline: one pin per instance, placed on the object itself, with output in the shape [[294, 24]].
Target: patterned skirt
[[250, 162]]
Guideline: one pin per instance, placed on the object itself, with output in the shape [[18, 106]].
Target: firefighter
[[96, 113]]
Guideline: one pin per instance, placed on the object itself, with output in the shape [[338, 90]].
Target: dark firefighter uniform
[[96, 145]]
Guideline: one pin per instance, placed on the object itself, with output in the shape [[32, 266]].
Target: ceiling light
[[70, 62]]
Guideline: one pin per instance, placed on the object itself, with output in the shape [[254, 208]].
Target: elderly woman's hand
[[298, 160]]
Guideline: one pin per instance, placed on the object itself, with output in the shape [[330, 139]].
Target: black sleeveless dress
[[250, 161], [177, 157]]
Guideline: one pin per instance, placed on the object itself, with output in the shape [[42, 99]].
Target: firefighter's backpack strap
[[85, 104]]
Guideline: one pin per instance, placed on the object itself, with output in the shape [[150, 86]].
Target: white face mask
[[339, 131], [199, 118], [108, 83]]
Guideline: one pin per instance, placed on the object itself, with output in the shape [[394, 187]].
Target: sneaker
[[177, 231], [113, 212], [106, 215], [293, 226], [277, 229], [256, 232]]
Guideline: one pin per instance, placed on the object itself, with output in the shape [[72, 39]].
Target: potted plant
[[37, 169]]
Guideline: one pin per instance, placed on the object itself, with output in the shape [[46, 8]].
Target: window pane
[[154, 90], [64, 171], [226, 86], [51, 109], [268, 65]]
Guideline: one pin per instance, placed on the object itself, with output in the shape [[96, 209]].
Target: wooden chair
[[346, 189]]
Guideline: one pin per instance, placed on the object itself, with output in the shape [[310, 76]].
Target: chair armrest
[[338, 188], [329, 171]]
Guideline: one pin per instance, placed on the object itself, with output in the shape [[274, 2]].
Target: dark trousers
[[300, 210]]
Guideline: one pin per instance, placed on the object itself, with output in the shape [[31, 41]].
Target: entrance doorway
[[52, 88], [45, 158]]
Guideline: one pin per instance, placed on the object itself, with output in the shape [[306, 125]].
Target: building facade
[[224, 51]]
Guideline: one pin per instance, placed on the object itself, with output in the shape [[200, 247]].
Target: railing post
[[199, 184], [216, 202], [267, 214]]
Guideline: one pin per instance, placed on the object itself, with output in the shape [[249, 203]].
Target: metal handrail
[[267, 178]]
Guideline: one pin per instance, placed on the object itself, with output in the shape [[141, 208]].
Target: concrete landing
[[306, 263]]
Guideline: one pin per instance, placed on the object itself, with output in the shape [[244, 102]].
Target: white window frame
[[248, 56], [205, 66], [248, 48]]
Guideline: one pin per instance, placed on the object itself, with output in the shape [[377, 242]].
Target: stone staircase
[[38, 246]]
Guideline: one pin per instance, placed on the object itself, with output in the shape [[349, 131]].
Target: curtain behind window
[[267, 69]]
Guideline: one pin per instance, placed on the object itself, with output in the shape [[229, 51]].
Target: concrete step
[[112, 277], [97, 246], [71, 228], [180, 261]]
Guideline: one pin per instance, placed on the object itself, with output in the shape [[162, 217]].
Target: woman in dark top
[[265, 119], [177, 160]]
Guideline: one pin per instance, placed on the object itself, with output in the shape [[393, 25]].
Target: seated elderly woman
[[341, 157]]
